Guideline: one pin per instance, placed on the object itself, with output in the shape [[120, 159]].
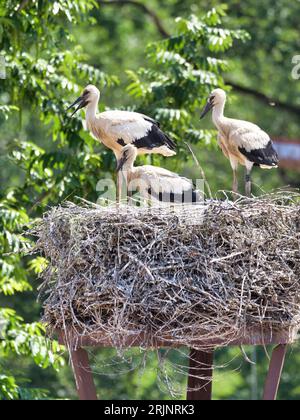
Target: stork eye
[[212, 98]]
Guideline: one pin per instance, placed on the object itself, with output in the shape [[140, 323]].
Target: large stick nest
[[219, 267]]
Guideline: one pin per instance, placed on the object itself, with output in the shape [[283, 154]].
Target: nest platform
[[203, 276]]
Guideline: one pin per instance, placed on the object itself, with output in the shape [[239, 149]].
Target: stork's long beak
[[82, 103], [206, 109], [121, 163]]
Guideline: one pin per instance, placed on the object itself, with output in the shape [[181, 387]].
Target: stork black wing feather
[[151, 120], [154, 138], [266, 156]]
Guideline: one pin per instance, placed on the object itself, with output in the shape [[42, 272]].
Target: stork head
[[217, 97], [129, 154], [90, 95]]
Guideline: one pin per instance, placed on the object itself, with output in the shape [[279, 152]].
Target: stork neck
[[129, 164], [91, 111], [218, 114]]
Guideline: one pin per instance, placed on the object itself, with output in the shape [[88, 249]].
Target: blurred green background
[[159, 57]]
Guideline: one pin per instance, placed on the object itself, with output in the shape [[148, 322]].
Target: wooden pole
[[83, 375], [200, 375], [275, 371]]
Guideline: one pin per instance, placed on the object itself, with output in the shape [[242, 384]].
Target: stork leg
[[235, 185], [248, 187], [248, 183], [119, 190], [119, 183], [119, 187], [122, 187]]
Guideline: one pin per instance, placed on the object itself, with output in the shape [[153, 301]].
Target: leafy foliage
[[42, 70], [44, 67], [185, 68], [52, 50], [13, 276]]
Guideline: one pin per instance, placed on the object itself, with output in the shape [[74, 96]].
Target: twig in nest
[[201, 169]]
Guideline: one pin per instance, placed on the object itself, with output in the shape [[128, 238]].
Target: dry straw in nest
[[219, 268]]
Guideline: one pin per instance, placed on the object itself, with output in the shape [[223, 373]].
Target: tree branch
[[265, 99], [294, 109], [164, 33], [156, 20], [22, 5]]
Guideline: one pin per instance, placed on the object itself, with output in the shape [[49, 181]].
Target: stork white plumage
[[155, 183], [116, 129], [242, 142]]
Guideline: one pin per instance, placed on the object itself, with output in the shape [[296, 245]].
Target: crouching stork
[[116, 129], [155, 183], [242, 142]]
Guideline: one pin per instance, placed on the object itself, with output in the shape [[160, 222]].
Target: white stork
[[154, 182], [242, 142], [116, 129]]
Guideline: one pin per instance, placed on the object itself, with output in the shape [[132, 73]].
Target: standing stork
[[241, 142], [154, 182], [116, 129]]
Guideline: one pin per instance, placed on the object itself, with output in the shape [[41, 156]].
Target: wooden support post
[[200, 366], [83, 375], [200, 375], [275, 371]]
